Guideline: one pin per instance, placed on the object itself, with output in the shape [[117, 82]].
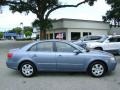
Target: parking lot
[[12, 80]]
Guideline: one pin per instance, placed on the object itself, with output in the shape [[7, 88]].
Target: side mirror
[[76, 51]]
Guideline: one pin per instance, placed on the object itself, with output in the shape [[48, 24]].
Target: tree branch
[[63, 6]]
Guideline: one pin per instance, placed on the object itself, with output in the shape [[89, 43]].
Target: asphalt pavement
[[12, 80]]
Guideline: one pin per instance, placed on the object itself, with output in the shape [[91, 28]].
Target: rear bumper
[[11, 65]]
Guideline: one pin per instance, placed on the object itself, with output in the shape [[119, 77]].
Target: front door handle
[[34, 55], [60, 55]]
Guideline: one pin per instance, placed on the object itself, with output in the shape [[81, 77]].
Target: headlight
[[112, 59]]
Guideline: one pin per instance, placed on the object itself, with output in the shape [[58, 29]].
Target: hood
[[77, 42]]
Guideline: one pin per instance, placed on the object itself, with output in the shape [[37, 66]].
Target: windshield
[[80, 48], [103, 39]]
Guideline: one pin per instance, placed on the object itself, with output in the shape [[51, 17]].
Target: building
[[8, 35], [73, 29]]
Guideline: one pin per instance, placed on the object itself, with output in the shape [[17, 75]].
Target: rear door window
[[42, 47], [95, 37]]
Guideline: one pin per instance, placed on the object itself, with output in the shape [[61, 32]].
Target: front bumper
[[112, 66]]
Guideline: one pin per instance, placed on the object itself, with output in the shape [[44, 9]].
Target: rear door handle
[[60, 55]]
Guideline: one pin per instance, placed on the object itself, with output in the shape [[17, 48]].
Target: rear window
[[92, 38], [96, 37]]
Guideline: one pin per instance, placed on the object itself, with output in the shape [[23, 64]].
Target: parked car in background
[[55, 55], [91, 38], [110, 44]]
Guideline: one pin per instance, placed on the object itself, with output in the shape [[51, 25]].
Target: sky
[[9, 20]]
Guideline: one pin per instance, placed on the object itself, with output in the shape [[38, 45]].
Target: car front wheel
[[27, 69], [97, 69]]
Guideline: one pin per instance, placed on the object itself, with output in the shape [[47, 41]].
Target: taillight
[[9, 55]]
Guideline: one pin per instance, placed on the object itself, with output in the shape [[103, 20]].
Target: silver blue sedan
[[56, 55]]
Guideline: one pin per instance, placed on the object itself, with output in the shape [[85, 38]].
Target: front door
[[113, 44], [67, 60]]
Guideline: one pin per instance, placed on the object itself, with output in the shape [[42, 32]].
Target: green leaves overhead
[[113, 15], [47, 24], [1, 35], [42, 9], [91, 2], [17, 30]]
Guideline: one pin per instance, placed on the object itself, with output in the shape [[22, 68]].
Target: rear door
[[43, 54]]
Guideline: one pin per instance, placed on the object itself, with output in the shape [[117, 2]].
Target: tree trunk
[[42, 34], [42, 28]]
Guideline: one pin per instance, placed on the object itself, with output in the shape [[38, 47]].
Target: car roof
[[51, 40], [35, 42]]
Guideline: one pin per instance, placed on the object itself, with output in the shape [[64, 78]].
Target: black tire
[[29, 71], [97, 69], [98, 48]]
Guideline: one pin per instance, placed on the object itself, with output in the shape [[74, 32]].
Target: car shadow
[[61, 74], [14, 73]]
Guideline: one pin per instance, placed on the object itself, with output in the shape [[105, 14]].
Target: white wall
[[57, 24], [74, 25], [85, 24]]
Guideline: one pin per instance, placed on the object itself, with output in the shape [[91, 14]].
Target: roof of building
[[68, 19]]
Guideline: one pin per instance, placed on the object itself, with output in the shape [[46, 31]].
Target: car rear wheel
[[97, 69], [27, 69]]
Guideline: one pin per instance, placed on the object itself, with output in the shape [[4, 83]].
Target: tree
[[42, 9], [16, 30], [1, 35], [113, 15], [28, 29], [28, 33]]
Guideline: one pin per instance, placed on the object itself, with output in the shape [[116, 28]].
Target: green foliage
[[113, 15], [47, 24], [17, 30], [25, 39], [28, 33], [1, 35], [42, 9], [28, 29]]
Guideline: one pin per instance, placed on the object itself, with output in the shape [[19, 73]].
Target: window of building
[[86, 33], [75, 35], [60, 35], [51, 35]]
